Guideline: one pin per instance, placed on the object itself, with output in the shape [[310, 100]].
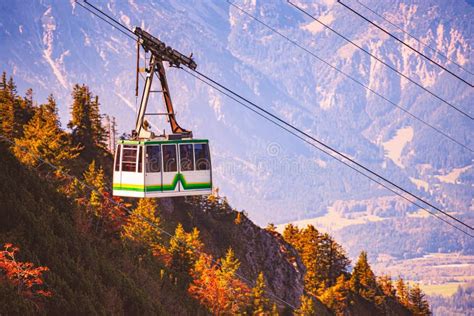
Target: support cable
[[100, 17], [351, 77], [415, 38], [405, 44], [215, 87], [328, 147], [381, 61]]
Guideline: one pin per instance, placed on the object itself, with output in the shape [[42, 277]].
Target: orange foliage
[[220, 292], [27, 279], [111, 212]]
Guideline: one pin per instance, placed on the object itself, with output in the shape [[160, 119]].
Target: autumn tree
[[386, 285], [402, 292], [183, 250], [260, 303], [363, 279], [336, 297], [143, 226], [271, 228], [237, 290], [307, 307], [94, 179], [324, 259], [44, 140], [107, 212], [418, 303], [85, 123], [216, 286], [27, 279]]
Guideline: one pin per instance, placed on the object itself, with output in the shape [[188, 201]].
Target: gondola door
[[153, 167], [170, 169], [186, 166]]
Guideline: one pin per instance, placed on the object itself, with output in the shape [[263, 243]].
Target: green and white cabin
[[162, 168], [150, 166]]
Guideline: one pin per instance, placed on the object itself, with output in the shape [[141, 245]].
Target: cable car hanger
[[159, 53]]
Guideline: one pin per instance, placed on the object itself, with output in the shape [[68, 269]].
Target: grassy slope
[[89, 275]]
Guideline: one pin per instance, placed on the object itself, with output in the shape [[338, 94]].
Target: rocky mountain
[[51, 45]]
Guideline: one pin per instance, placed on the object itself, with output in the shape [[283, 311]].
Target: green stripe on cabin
[[164, 187]]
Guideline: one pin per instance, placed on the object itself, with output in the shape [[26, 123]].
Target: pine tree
[[143, 225], [7, 108], [237, 292], [386, 285], [323, 258], [363, 279], [402, 292], [418, 304], [85, 123], [14, 110], [307, 307], [95, 180], [336, 297], [291, 234], [43, 139], [260, 303], [183, 250], [271, 228]]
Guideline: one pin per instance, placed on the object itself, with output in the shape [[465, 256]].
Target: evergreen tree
[[143, 226], [236, 291], [7, 108], [14, 110], [402, 292], [94, 178], [336, 297], [323, 258], [363, 279], [418, 304], [271, 228], [183, 250], [386, 285], [307, 307], [85, 123], [260, 303], [291, 234], [43, 139]]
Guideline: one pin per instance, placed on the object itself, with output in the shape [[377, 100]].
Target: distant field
[[446, 289], [437, 273]]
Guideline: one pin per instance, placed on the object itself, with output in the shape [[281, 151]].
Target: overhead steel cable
[[351, 77], [405, 44], [130, 212], [343, 155], [381, 61], [332, 149], [277, 298], [238, 100], [415, 38], [100, 17], [109, 17]]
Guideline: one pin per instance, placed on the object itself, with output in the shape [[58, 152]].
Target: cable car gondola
[[170, 165]]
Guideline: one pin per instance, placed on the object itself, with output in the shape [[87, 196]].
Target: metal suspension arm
[[140, 129], [167, 99]]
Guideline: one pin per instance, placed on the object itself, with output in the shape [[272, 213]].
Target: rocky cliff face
[[257, 249]]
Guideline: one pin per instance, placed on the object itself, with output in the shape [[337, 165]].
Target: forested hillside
[[69, 247]]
